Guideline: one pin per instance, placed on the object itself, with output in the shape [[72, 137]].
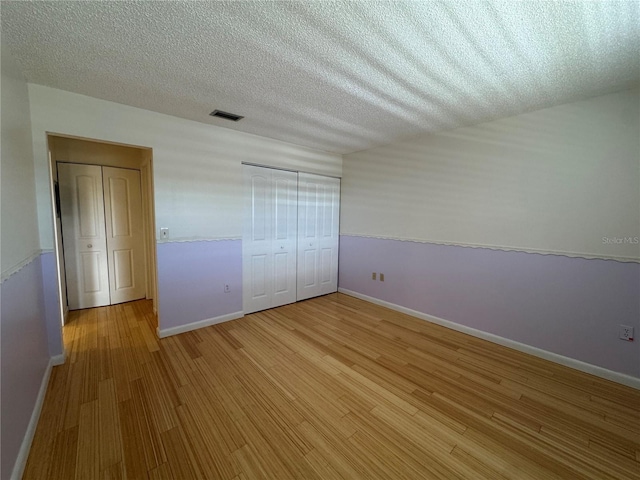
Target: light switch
[[164, 233]]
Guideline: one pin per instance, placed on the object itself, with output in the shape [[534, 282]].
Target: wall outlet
[[626, 333], [164, 233], [382, 277], [373, 276], [227, 288]]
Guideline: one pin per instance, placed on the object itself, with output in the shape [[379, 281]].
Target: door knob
[[281, 247], [89, 246]]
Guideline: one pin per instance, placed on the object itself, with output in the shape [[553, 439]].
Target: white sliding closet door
[[269, 238], [318, 224], [85, 243]]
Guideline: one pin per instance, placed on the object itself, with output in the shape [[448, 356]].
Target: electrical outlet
[[382, 277], [373, 276], [164, 233], [626, 333], [227, 288]]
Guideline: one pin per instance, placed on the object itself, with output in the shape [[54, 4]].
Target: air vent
[[226, 115]]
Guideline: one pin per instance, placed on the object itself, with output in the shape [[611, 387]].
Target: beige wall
[[554, 180], [20, 239]]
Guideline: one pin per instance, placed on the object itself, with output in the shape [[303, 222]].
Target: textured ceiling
[[337, 76]]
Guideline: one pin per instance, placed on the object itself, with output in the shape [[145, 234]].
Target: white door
[[256, 240], [318, 224], [269, 238], [125, 244], [284, 187], [84, 238]]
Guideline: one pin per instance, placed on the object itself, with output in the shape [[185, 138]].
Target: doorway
[[117, 262]]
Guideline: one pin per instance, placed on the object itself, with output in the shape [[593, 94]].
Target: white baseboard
[[23, 453], [522, 347], [58, 359], [167, 332]]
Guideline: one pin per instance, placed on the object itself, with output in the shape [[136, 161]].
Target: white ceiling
[[337, 76]]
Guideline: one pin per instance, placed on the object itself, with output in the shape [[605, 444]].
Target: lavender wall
[[51, 303], [191, 278], [24, 356], [569, 306]]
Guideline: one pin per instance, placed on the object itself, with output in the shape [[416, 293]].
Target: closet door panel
[[125, 242], [84, 237], [257, 257], [318, 210], [326, 263], [330, 235], [285, 223]]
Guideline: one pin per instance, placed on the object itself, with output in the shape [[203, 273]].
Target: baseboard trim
[[167, 332], [601, 372], [23, 453], [58, 359]]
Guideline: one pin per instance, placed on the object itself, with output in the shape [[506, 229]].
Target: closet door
[[284, 186], [125, 247], [85, 245], [318, 229], [269, 238]]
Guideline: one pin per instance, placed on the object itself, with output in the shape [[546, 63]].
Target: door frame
[[56, 143]]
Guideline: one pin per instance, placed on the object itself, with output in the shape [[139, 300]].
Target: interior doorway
[[103, 176]]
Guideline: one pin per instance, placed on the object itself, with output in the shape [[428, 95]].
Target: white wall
[[19, 221], [197, 167], [554, 180]]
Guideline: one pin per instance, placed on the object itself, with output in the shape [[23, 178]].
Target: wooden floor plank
[[88, 457], [110, 446], [329, 388]]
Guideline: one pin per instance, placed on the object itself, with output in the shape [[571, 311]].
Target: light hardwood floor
[[333, 387]]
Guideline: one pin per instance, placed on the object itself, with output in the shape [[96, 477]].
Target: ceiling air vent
[[226, 115]]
